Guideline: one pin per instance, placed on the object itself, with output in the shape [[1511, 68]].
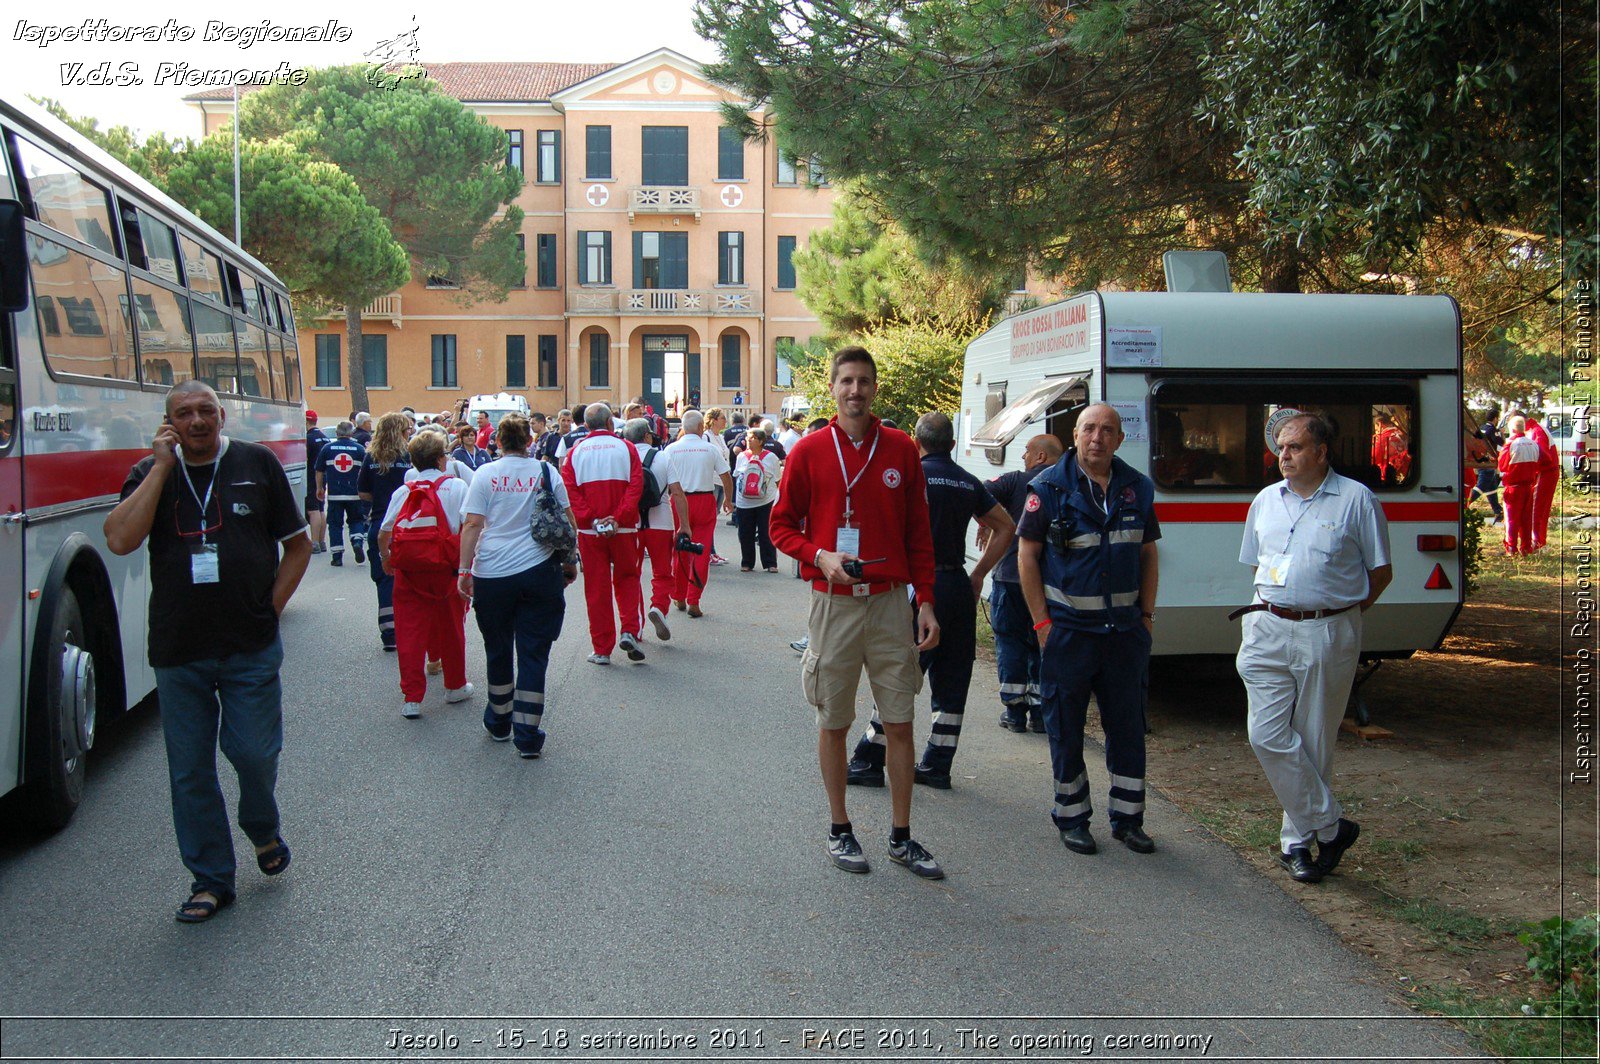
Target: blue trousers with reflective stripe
[[1114, 667], [1016, 645], [340, 510], [520, 617], [385, 584], [949, 670]]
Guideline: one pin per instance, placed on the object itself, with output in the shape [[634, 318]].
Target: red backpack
[[422, 541], [755, 472]]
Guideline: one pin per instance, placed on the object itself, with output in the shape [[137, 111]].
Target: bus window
[[8, 188], [216, 364], [251, 294], [254, 376], [64, 199], [201, 269], [291, 368], [160, 248], [90, 294], [166, 345], [1211, 434]]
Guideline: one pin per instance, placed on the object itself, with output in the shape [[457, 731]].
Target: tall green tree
[[435, 171]]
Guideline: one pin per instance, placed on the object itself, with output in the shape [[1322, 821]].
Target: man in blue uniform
[[338, 470], [315, 438], [1016, 648], [955, 497], [579, 430], [1088, 569]]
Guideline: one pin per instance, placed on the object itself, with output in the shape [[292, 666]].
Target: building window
[[661, 260], [514, 149], [783, 375], [516, 362], [547, 260], [594, 256], [375, 360], [47, 314], [731, 362], [785, 262], [444, 360], [522, 253], [548, 163], [665, 158], [597, 153], [815, 174], [436, 281], [547, 362], [730, 155], [599, 360], [730, 258], [328, 375], [786, 171]]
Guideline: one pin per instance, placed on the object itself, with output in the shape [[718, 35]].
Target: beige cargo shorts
[[847, 633]]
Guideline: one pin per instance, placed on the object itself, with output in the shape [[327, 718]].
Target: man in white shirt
[[657, 531], [1319, 547], [700, 466]]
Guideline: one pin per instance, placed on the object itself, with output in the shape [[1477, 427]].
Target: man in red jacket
[[853, 493], [604, 483], [1544, 489], [1519, 463]]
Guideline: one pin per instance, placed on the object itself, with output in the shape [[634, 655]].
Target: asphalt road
[[659, 876]]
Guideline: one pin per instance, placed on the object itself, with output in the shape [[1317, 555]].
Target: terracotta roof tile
[[487, 82]]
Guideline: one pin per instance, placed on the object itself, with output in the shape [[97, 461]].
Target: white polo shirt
[[698, 463], [660, 515], [1331, 541]]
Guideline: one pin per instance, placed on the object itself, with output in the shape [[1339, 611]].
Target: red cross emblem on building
[[732, 195], [343, 463], [598, 195]]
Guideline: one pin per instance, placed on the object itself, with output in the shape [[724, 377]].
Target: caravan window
[[1210, 433]]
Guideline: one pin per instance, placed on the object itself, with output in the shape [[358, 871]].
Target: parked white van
[[1196, 376], [496, 406]]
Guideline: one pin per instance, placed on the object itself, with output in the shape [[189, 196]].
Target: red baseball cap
[[311, 415]]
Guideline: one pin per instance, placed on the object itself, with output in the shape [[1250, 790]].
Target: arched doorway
[[670, 368]]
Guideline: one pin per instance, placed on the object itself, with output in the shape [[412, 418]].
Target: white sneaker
[[659, 619], [600, 659], [630, 647], [411, 710], [459, 694]]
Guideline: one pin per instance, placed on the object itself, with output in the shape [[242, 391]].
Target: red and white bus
[[110, 293]]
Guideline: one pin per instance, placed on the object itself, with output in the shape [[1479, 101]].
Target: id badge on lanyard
[[203, 568], [848, 537]]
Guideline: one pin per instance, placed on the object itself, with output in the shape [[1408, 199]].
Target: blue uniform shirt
[[1011, 491], [339, 462], [315, 438], [1092, 541], [955, 497]]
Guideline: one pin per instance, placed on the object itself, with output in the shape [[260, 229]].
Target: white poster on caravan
[[1138, 345]]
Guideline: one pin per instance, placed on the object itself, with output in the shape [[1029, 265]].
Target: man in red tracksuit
[[855, 492], [1520, 460], [604, 482], [1544, 490]]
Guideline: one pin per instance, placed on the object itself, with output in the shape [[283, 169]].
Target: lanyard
[[205, 504], [1307, 505], [849, 481]]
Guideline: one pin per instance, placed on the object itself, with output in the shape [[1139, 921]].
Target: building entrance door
[[671, 374]]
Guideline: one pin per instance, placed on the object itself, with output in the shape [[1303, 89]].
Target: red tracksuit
[[1544, 490], [1519, 465], [604, 479], [428, 618]]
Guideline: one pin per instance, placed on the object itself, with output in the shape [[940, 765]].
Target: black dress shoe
[[1299, 864], [1078, 840], [864, 774], [1328, 853], [1036, 722], [939, 781], [1133, 837], [1013, 720]]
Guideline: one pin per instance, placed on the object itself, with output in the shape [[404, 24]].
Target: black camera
[[687, 545]]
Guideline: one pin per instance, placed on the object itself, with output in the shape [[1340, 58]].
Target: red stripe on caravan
[[72, 476], [1221, 513]]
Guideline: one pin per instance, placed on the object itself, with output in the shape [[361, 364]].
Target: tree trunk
[[1280, 268], [355, 358]]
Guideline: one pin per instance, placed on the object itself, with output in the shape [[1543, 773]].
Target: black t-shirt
[[1011, 491], [252, 508], [955, 498]]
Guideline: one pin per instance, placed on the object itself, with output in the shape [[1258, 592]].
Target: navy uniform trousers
[[1016, 647], [949, 670], [1115, 667]]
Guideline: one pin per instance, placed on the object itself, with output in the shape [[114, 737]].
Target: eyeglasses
[[204, 531]]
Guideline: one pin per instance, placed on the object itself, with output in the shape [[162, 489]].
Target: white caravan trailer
[[1196, 377]]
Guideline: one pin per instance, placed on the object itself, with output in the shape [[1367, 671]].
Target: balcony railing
[[383, 307], [715, 302], [663, 199]]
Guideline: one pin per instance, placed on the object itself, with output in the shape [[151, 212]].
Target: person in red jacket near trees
[[604, 484], [1520, 461], [854, 492], [1544, 490]]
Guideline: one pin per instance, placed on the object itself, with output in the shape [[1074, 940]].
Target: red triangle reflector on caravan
[[1437, 581]]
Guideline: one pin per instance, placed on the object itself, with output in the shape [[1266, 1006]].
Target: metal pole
[[237, 225]]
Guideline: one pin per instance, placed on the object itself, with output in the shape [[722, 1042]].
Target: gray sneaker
[[630, 646], [846, 853], [911, 854]]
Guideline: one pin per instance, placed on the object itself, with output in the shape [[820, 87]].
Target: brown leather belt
[[1287, 614]]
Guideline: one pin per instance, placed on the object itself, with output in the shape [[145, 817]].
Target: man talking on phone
[[227, 550], [853, 509]]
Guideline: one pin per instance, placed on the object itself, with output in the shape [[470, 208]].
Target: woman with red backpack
[[755, 489], [420, 543]]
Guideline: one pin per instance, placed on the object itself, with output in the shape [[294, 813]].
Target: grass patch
[[1405, 849], [1242, 825], [1455, 929], [1500, 1026]]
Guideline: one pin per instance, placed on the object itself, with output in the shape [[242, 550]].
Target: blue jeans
[[520, 617], [235, 702]]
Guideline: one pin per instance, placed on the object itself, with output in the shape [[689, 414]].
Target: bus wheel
[[61, 725]]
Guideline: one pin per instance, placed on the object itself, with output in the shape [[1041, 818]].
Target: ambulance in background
[[1196, 377]]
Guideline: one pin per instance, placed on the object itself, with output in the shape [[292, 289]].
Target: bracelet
[[1042, 625], [1148, 616], [463, 572]]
